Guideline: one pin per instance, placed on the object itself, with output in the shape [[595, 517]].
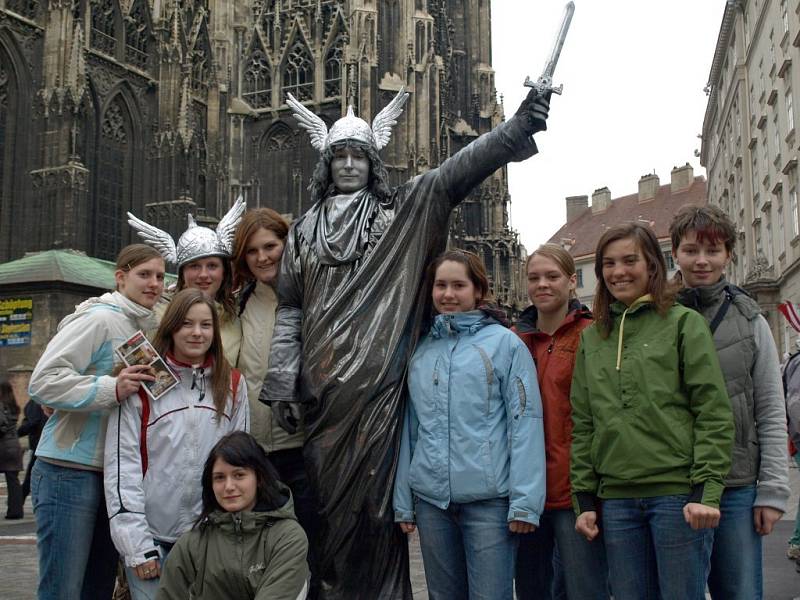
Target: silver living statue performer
[[351, 307]]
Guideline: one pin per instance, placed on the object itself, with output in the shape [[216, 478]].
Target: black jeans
[[15, 498], [291, 469]]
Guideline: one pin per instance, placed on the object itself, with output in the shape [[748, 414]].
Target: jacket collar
[[529, 316], [703, 296], [447, 324], [176, 364], [619, 308]]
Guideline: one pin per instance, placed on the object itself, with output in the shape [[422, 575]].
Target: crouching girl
[[246, 541], [471, 466], [155, 449]]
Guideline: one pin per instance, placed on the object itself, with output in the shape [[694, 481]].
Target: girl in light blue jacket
[[471, 469]]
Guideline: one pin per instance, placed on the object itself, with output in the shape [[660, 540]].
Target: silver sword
[[544, 84]]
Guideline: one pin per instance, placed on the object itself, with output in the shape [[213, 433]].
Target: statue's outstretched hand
[[288, 415], [534, 111]]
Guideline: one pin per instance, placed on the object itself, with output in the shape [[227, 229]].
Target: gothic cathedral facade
[[169, 107]]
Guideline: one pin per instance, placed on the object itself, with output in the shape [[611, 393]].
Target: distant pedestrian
[[10, 450], [32, 425]]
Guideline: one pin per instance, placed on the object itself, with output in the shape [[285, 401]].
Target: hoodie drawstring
[[621, 334]]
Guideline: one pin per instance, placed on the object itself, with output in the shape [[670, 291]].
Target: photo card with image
[[137, 350]]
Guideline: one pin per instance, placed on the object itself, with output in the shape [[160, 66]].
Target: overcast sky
[[633, 73]]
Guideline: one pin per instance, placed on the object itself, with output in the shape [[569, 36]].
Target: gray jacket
[[750, 364]]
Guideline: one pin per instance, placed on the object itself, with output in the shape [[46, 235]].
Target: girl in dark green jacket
[[247, 543], [653, 427]]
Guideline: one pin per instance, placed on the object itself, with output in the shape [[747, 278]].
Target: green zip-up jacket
[[256, 555], [650, 413]]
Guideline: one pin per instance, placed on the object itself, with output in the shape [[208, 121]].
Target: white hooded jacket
[[73, 376], [154, 457]]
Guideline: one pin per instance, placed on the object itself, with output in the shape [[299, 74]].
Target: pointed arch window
[[113, 177], [136, 37], [298, 72], [333, 68], [257, 85], [200, 67], [103, 36], [26, 8]]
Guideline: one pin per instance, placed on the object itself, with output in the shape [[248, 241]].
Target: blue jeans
[[652, 552], [467, 550], [146, 589], [736, 555], [77, 560], [585, 571], [795, 539]]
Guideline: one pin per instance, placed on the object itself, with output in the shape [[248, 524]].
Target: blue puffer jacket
[[473, 426]]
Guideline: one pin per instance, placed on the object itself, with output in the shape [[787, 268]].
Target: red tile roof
[[586, 228]]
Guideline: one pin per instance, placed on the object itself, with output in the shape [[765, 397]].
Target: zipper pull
[[550, 348]]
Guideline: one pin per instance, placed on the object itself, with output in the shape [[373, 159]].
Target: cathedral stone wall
[[169, 107]]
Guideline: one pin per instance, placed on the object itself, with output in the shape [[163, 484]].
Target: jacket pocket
[[489, 475]]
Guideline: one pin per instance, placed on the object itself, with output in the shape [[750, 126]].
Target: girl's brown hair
[[476, 271], [172, 321], [134, 255], [662, 291], [224, 294], [252, 221]]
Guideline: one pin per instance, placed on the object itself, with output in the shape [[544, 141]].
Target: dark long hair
[[662, 290], [7, 400], [322, 182], [173, 320], [241, 449]]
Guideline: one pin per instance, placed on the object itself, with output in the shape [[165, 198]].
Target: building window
[[754, 175], [781, 233], [103, 27], [793, 212], [26, 8], [257, 85], [298, 72], [113, 189], [136, 36], [579, 273], [789, 111], [333, 68], [784, 16], [669, 261]]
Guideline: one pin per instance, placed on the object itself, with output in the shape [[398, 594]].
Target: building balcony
[[789, 166], [773, 96]]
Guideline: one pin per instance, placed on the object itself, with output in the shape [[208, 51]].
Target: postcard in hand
[[137, 350]]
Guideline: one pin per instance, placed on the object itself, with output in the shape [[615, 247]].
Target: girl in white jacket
[[75, 377], [155, 450]]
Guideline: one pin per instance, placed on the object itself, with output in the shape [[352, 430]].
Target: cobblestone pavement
[[18, 563]]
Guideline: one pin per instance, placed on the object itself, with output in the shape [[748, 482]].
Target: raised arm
[[508, 142]]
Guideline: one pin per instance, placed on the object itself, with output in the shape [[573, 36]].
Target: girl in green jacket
[[653, 427], [247, 543]]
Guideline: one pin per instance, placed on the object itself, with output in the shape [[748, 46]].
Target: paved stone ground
[[19, 570]]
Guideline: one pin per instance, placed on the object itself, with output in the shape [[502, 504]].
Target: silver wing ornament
[[316, 128], [386, 119], [158, 238], [226, 228]]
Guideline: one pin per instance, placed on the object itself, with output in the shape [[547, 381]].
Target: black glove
[[534, 111], [288, 415]]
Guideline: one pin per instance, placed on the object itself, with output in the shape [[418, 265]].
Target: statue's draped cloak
[[350, 315]]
